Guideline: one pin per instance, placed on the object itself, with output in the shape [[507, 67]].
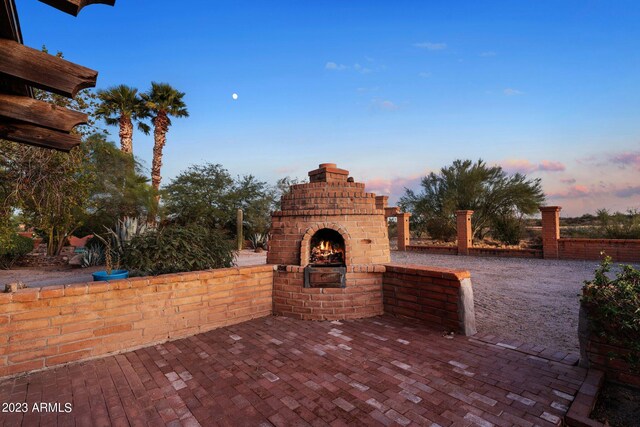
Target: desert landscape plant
[[613, 308], [465, 185], [177, 248], [122, 106], [162, 102]]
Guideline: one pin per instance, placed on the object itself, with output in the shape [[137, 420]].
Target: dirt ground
[[531, 300]]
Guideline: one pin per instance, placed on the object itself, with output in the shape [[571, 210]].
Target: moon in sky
[[234, 96]]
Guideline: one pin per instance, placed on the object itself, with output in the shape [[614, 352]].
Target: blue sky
[[388, 90]]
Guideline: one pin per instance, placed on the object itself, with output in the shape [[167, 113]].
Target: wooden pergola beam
[[44, 71], [39, 113], [73, 7], [38, 136]]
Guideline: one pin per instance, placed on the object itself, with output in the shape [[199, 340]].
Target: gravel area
[[531, 300]]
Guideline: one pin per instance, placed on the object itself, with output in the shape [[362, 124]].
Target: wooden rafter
[[29, 110], [44, 71], [73, 7], [38, 136]]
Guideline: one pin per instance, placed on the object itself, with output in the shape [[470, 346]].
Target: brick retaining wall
[[507, 253], [621, 250], [42, 327], [438, 296], [495, 252], [432, 249]]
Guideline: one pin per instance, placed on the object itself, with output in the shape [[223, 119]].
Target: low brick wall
[[621, 250], [438, 296], [432, 249], [496, 252], [362, 296], [42, 327], [507, 253]]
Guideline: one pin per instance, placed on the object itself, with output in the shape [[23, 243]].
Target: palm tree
[[162, 101], [121, 106]]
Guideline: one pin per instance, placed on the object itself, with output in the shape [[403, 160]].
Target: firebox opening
[[327, 248]]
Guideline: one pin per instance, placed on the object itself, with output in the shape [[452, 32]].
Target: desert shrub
[[441, 229], [12, 247], [258, 240], [93, 256], [613, 308], [175, 249], [507, 229]]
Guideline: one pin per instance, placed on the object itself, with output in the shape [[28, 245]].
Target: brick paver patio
[[278, 371]]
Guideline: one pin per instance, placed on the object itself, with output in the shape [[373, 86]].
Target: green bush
[[12, 247], [613, 308], [175, 249], [507, 229], [441, 229]]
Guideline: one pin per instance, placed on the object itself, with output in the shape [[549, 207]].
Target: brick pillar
[[403, 230], [550, 231], [463, 227]]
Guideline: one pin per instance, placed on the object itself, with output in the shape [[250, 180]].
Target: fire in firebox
[[327, 252]]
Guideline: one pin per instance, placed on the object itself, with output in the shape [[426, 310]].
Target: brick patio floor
[[279, 371]]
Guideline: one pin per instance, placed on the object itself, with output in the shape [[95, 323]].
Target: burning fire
[[326, 253]]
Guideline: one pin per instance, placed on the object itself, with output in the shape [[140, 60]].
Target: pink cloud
[[518, 166], [395, 187], [573, 192], [551, 166], [525, 166], [627, 158]]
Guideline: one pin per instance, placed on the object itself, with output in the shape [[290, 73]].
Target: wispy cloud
[[335, 67], [525, 166], [568, 181], [627, 158], [512, 92], [359, 68], [574, 192], [487, 54], [551, 166], [394, 187], [383, 105], [285, 170], [628, 191], [424, 74], [430, 46]]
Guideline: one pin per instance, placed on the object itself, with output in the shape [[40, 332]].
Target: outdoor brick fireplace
[[329, 241]]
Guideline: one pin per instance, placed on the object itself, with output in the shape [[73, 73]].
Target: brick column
[[463, 227], [550, 231], [403, 230]]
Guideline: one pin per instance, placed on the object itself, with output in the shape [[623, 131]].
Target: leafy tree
[[489, 191], [162, 101], [49, 187], [119, 188], [121, 106], [208, 194]]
